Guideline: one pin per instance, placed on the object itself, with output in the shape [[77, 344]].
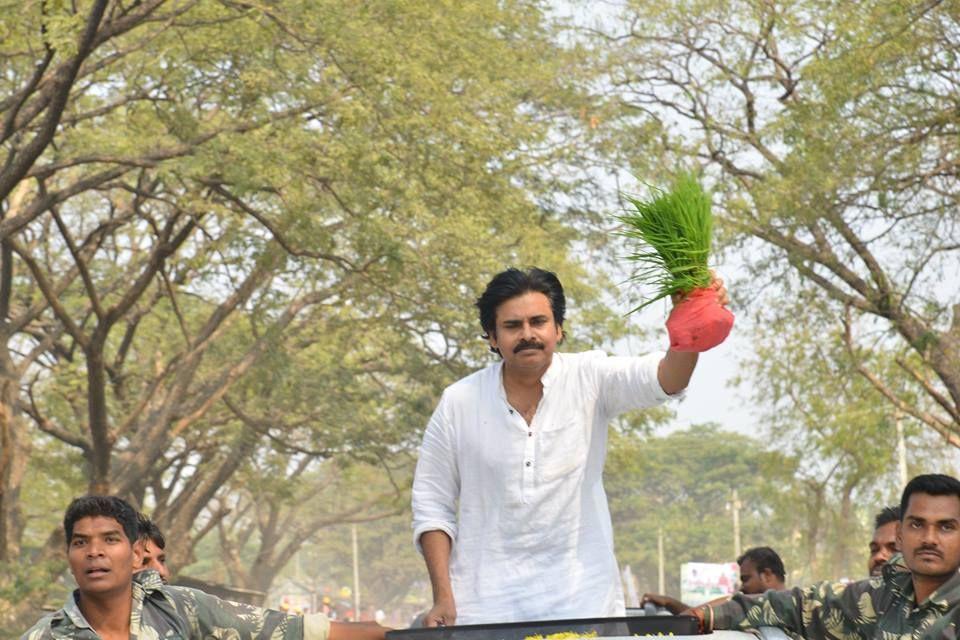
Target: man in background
[[917, 595], [153, 547], [884, 545], [760, 569]]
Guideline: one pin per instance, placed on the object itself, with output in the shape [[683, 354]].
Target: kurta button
[[511, 411], [530, 433], [529, 463]]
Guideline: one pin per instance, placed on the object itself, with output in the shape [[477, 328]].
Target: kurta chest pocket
[[563, 450]]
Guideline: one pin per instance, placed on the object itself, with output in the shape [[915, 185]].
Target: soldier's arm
[[253, 623], [773, 608], [212, 617], [39, 631], [819, 611], [355, 631], [672, 605]]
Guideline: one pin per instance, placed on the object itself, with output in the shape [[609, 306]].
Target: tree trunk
[[100, 452], [842, 552], [14, 453], [814, 521]]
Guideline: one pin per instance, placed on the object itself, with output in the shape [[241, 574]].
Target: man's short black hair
[[934, 484], [150, 531], [515, 282], [105, 506], [886, 516], [763, 559]]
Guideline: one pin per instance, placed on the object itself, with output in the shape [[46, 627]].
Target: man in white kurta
[[533, 538], [508, 502]]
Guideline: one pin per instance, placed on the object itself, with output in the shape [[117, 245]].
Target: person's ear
[[138, 554]]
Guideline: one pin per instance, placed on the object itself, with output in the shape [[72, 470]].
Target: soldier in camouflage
[[111, 603], [883, 545], [916, 597], [761, 569], [153, 546]]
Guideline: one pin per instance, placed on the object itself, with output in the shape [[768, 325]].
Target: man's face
[[882, 547], [154, 558], [753, 581], [525, 332], [101, 556], [929, 535]]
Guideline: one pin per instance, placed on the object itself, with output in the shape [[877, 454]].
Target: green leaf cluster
[[313, 195], [674, 232]]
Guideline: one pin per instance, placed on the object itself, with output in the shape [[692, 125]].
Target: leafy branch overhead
[[236, 233], [830, 134]]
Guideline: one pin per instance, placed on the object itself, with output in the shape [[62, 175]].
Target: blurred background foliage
[[240, 244]]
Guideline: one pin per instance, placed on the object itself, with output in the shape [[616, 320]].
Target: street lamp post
[[734, 505], [356, 574]]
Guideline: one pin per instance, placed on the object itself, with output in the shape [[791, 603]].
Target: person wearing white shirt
[[509, 509]]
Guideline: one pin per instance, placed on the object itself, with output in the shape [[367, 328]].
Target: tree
[[829, 132], [816, 409], [45, 53], [391, 571], [261, 528], [249, 232], [681, 484]]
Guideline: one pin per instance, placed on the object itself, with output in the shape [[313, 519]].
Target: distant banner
[[704, 581]]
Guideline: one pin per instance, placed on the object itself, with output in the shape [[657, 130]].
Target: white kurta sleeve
[[625, 383], [316, 626], [436, 483]]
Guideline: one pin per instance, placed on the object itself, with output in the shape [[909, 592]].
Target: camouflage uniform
[[881, 608], [163, 612]]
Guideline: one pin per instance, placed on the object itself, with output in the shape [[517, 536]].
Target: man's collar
[[896, 575], [896, 572], [894, 566], [144, 582], [946, 594], [72, 611], [148, 579], [553, 370]]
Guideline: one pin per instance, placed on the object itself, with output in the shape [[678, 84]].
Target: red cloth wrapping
[[699, 322]]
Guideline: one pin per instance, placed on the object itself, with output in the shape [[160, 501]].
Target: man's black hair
[[150, 531], [934, 484], [886, 516], [105, 506], [515, 282], [764, 558]]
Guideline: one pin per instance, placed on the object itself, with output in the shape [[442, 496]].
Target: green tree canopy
[[243, 239], [829, 133], [682, 484]]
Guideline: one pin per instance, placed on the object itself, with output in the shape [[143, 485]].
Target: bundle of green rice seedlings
[[673, 231]]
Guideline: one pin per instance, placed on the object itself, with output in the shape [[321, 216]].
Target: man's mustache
[[523, 345], [930, 549]]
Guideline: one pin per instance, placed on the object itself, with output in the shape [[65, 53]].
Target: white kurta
[[525, 505]]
